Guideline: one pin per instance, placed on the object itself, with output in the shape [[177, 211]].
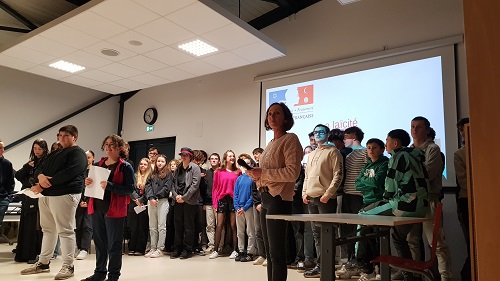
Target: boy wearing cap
[[186, 193]]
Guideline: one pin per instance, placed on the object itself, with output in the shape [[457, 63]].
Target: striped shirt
[[354, 163]]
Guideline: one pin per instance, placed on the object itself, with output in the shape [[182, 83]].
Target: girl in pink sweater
[[222, 198]]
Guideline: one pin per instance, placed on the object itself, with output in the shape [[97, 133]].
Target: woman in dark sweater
[[108, 214], [29, 242], [157, 188]]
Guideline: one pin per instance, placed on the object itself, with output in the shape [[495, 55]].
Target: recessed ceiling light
[[135, 43], [110, 52], [345, 2], [67, 66], [198, 48]]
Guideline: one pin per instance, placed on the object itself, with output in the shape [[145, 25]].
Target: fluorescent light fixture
[[67, 66], [198, 48]]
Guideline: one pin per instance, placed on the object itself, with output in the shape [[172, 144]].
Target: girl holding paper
[[29, 242], [108, 214], [158, 187], [139, 222]]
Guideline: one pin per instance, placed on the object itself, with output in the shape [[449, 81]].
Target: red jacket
[[118, 205]]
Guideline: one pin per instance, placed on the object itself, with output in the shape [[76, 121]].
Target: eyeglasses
[[110, 144], [152, 154], [319, 132]]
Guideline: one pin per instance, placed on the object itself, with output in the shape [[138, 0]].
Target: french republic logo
[[306, 95], [277, 96]]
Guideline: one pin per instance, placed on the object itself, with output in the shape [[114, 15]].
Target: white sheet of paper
[[28, 192], [97, 174], [139, 209]]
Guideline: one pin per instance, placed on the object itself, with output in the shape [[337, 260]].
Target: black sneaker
[[239, 256], [314, 273], [185, 255], [94, 278], [246, 258], [305, 265], [175, 254]]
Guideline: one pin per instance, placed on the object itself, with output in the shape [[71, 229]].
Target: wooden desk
[[328, 241]]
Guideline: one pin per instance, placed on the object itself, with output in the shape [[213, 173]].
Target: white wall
[[29, 102]]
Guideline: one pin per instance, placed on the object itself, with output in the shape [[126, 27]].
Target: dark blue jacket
[[6, 178]]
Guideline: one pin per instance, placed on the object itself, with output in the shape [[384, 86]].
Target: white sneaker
[[259, 260], [264, 263], [233, 255], [213, 255], [77, 251], [82, 255], [156, 254], [148, 254]]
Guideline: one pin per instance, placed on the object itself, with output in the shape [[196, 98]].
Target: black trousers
[[184, 221], [463, 218], [351, 204], [83, 229], [108, 237], [273, 232], [139, 229]]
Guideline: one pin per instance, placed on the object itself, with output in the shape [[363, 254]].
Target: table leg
[[327, 252], [385, 249]]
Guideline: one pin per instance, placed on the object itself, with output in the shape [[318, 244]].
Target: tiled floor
[[140, 268]]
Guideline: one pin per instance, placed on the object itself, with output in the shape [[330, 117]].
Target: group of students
[[225, 208], [209, 206], [407, 184]]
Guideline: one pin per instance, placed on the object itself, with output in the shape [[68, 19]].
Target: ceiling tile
[[198, 67], [48, 72], [173, 74], [169, 56], [69, 36], [198, 18], [230, 37], [80, 80], [130, 85], [257, 52], [163, 7], [96, 50], [225, 60], [126, 13], [27, 54], [121, 70], [85, 59], [124, 39], [150, 79], [111, 89], [100, 76], [15, 63], [92, 23], [143, 63], [47, 46], [165, 31]]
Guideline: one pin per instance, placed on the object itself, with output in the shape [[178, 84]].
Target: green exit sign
[[150, 128]]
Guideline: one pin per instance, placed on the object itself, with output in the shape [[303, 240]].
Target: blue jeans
[[108, 237], [4, 203]]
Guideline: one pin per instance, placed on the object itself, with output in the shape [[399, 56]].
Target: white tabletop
[[350, 219]]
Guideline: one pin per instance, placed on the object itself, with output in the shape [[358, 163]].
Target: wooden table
[[328, 241]]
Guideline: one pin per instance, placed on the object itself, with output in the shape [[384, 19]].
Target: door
[[139, 149]]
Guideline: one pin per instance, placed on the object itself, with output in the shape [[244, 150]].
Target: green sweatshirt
[[371, 180]]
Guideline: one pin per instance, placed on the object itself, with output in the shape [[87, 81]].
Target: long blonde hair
[[139, 177]]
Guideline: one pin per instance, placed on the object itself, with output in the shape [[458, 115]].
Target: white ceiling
[[161, 25]]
